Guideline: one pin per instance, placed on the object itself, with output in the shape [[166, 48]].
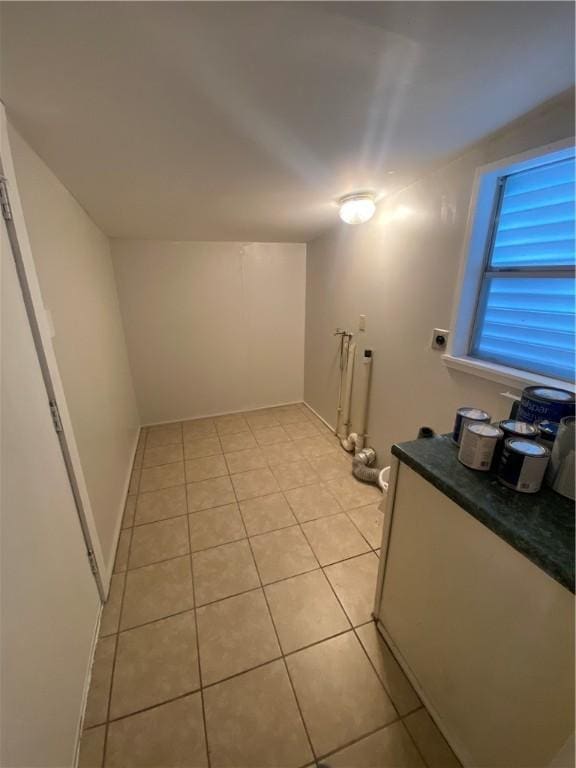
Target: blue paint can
[[523, 465], [547, 432], [545, 404], [467, 415]]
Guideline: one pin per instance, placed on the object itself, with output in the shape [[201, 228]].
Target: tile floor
[[237, 632]]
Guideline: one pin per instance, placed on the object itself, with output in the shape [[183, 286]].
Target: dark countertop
[[539, 526]]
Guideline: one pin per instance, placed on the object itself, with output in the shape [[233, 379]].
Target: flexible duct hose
[[361, 466]]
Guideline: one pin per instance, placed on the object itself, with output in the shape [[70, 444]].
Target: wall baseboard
[[223, 413], [107, 577], [87, 681], [318, 416]]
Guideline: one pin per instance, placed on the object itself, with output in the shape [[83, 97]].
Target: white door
[[49, 602]]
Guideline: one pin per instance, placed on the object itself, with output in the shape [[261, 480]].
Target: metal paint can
[[562, 468], [514, 428], [467, 415], [478, 444], [547, 432], [523, 465], [545, 404]]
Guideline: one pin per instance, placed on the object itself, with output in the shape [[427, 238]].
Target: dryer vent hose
[[361, 466]]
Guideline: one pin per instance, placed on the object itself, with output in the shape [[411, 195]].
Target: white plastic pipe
[[384, 479], [348, 391], [365, 378], [342, 365]]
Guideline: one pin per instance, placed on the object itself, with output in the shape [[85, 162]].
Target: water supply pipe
[[347, 405], [340, 332], [345, 338]]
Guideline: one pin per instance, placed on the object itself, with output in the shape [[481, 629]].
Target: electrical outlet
[[440, 339]]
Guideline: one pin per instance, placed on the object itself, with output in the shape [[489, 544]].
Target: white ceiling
[[245, 121]]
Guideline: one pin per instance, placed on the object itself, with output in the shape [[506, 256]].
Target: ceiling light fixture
[[357, 209]]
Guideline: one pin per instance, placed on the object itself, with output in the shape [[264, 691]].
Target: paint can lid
[[550, 394], [512, 427], [473, 413], [485, 430], [526, 447]]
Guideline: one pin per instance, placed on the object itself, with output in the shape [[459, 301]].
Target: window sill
[[512, 377]]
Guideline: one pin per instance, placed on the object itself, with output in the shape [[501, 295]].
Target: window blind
[[526, 309]]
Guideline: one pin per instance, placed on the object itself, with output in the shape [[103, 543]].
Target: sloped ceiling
[[246, 121]]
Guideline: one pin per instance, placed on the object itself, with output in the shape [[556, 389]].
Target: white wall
[[401, 271], [212, 327], [49, 602], [74, 265]]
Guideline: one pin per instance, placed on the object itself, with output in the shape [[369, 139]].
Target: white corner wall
[[401, 271], [49, 603], [76, 275], [212, 327]]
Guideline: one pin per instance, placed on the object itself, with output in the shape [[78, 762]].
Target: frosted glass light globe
[[357, 209]]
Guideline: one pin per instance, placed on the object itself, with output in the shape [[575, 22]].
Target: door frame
[[41, 332]]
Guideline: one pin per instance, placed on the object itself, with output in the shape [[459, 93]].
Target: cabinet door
[[486, 636]]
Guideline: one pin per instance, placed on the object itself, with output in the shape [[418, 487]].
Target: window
[[519, 284]]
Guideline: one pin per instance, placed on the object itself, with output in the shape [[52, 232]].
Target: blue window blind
[[526, 310]]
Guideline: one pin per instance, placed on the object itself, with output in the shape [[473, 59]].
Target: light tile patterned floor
[[238, 630]]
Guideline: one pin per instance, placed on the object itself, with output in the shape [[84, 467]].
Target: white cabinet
[[486, 637]]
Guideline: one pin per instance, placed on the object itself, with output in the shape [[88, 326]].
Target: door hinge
[[5, 200], [56, 416], [93, 563]]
